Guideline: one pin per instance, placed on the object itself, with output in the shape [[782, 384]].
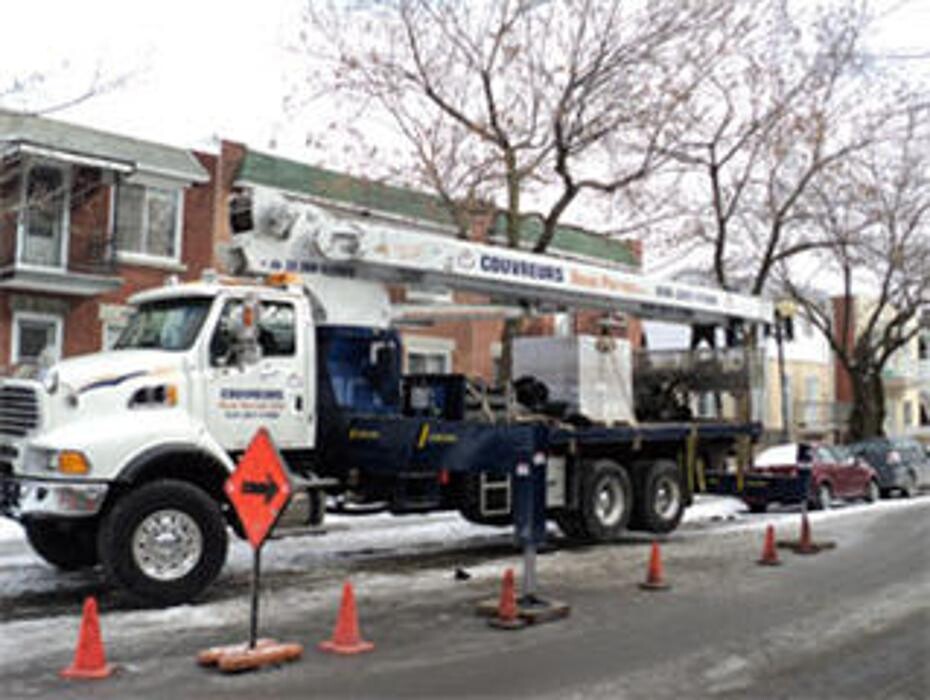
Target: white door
[[271, 393]]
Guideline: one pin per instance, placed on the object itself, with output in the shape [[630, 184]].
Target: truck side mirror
[[245, 333]]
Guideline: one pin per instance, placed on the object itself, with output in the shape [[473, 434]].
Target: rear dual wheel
[[605, 503]]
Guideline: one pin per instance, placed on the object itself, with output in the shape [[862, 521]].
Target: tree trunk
[[511, 330], [867, 418]]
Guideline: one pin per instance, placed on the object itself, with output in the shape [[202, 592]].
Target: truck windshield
[[171, 324]]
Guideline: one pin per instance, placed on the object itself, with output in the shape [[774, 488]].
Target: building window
[[34, 334], [148, 221], [908, 414], [427, 362], [45, 215]]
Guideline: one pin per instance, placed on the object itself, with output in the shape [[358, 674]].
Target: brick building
[[87, 218]]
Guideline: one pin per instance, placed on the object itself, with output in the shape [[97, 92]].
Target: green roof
[[143, 156], [280, 173], [574, 240]]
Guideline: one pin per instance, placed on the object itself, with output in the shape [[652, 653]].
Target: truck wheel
[[660, 502], [571, 525], [67, 546], [164, 542], [606, 500]]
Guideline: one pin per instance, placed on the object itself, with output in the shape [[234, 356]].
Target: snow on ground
[[51, 636]]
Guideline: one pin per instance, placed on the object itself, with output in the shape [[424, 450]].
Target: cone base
[[104, 671], [654, 586], [517, 623], [811, 548], [334, 647], [768, 562]]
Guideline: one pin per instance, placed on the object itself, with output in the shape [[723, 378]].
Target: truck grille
[[19, 410]]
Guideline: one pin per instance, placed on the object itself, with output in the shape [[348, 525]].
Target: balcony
[[53, 230]]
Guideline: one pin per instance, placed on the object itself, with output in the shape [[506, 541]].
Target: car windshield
[[778, 456], [171, 324]]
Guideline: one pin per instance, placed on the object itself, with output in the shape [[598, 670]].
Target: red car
[[830, 472]]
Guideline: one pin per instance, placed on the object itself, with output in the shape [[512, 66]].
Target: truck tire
[[66, 546], [163, 542], [660, 500], [571, 525], [606, 500]]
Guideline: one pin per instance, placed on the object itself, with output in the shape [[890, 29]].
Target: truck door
[[273, 392]]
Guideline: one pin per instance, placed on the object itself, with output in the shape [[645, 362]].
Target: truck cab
[[121, 456]]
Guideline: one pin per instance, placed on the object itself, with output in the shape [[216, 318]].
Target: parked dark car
[[794, 472], [901, 464]]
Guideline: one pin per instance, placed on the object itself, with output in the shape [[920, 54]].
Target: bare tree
[[778, 111], [874, 214], [528, 105]]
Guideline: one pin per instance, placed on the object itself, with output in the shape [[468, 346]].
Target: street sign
[[260, 488]]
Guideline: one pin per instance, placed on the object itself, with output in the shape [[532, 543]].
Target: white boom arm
[[305, 239]]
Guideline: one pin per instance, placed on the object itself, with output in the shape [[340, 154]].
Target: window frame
[[19, 316], [22, 220], [143, 257]]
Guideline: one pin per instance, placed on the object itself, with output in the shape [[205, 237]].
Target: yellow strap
[[742, 457], [424, 435], [690, 457]]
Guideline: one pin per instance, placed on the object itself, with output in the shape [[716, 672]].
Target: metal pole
[[529, 572], [782, 377], [253, 619]]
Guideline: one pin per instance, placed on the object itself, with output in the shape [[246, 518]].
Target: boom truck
[[120, 457]]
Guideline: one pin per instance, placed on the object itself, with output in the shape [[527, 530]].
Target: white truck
[[119, 457]]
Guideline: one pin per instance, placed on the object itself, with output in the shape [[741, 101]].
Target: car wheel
[[164, 542], [873, 493], [606, 500], [824, 497], [66, 546]]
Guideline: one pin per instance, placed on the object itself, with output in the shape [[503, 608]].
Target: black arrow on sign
[[268, 489]]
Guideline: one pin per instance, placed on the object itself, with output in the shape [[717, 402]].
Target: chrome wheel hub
[[167, 545], [667, 499], [609, 505]]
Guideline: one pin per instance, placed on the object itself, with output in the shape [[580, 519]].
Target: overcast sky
[[203, 68]]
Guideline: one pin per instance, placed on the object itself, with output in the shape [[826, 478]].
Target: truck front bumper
[[23, 498]]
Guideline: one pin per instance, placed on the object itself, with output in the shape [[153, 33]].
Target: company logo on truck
[[506, 267]]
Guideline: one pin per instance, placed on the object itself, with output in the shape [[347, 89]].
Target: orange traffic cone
[[89, 658], [655, 578], [769, 553], [806, 544], [508, 616], [346, 638]]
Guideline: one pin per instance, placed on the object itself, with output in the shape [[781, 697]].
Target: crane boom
[[285, 236]]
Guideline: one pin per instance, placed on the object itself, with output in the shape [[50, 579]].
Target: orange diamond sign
[[260, 487]]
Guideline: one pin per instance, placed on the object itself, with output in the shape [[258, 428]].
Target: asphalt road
[[852, 622]]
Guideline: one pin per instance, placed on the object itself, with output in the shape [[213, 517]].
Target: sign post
[[259, 489]]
